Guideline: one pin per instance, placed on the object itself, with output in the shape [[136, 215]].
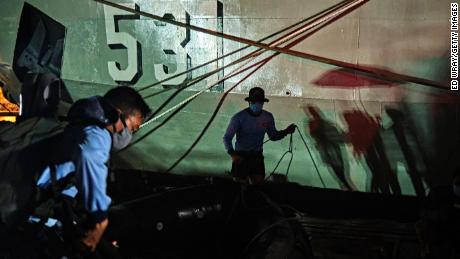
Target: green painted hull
[[408, 37]]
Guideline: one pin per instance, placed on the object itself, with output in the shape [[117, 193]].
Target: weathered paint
[[408, 37]]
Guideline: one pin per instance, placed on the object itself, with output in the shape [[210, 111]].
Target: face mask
[[457, 190], [121, 140], [256, 107]]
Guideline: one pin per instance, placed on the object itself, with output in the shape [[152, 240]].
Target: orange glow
[[7, 107]]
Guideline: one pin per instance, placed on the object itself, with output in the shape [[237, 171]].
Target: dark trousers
[[250, 163]]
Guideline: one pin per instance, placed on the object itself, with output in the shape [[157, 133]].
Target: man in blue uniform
[[97, 125], [250, 126]]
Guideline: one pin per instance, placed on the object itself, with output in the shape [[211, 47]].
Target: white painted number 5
[[119, 40]]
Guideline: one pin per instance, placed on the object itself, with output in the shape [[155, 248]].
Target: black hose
[[313, 161], [289, 151]]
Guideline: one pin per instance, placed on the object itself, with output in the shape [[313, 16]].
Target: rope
[[238, 50], [226, 93], [374, 72], [212, 118], [197, 28], [190, 70], [190, 98], [254, 54], [289, 151], [292, 156], [216, 110], [311, 157], [183, 105], [199, 79]]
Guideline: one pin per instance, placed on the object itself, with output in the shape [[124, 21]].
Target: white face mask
[[121, 140]]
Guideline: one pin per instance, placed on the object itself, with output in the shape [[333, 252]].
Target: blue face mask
[[256, 107]]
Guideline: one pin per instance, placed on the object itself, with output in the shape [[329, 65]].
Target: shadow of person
[[328, 142], [364, 136], [398, 128]]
